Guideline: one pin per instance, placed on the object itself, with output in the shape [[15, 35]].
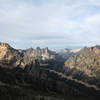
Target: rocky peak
[[4, 46], [87, 60], [97, 46], [8, 55], [4, 49], [95, 49]]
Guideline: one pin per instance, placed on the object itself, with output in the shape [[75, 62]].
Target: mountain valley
[[43, 74]]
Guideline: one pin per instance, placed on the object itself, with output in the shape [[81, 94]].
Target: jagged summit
[[11, 56], [87, 60], [97, 46], [5, 45], [8, 55], [2, 43]]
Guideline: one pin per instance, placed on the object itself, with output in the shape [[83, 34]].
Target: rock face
[[45, 56], [27, 78], [86, 62], [8, 55], [38, 53], [14, 57]]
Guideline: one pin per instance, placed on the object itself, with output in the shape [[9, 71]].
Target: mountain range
[[85, 65], [44, 74]]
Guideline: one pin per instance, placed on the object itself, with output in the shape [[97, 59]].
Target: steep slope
[[36, 82], [45, 56], [85, 63], [8, 55], [38, 53]]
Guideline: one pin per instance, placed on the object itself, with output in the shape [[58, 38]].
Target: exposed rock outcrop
[[9, 55], [85, 64]]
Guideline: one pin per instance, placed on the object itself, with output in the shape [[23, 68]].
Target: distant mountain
[[45, 56], [42, 54], [66, 53], [85, 65]]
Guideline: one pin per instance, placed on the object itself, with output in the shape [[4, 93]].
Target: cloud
[[94, 19], [56, 24]]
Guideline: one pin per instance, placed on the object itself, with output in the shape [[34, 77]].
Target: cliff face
[[86, 62], [8, 55], [45, 56], [42, 54]]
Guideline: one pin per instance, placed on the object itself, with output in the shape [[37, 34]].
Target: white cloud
[[52, 23], [94, 19]]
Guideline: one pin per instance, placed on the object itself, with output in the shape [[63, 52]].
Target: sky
[[56, 24]]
